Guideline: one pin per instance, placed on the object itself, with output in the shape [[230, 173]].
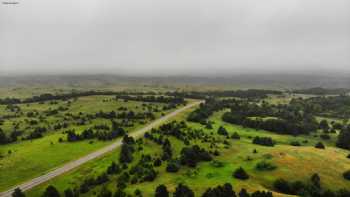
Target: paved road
[[69, 166]]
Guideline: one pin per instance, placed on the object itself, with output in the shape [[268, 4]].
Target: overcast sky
[[173, 36]]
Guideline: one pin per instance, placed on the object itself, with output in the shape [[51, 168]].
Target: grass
[[293, 163], [31, 158]]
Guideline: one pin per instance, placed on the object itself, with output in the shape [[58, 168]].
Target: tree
[[346, 175], [3, 138], [243, 193], [235, 136], [282, 186], [220, 191], [69, 193], [161, 191], [167, 151], [262, 194], [113, 168], [316, 180], [183, 191], [324, 125], [127, 150], [173, 166], [190, 156], [320, 145], [265, 141], [18, 193], [240, 173], [344, 138], [51, 191], [222, 131]]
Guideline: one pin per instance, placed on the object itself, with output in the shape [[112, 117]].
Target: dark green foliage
[[235, 136], [344, 138], [288, 118], [167, 150], [183, 191], [346, 175], [222, 131], [3, 137], [324, 125], [127, 150], [262, 194], [18, 193], [190, 156], [265, 141], [157, 162], [143, 170], [113, 168], [51, 191], [295, 143], [69, 193], [320, 145], [173, 166], [243, 193], [161, 191], [220, 191], [282, 186], [265, 166], [92, 182], [325, 136], [105, 192], [316, 180], [240, 173], [119, 193]]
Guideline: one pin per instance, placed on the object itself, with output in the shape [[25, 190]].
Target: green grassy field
[[30, 158], [293, 163]]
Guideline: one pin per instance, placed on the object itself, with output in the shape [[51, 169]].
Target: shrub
[[320, 145], [217, 164], [295, 143], [220, 191], [161, 191], [236, 136], [243, 193], [173, 166], [262, 194], [183, 191], [240, 173], [51, 191], [346, 175], [18, 193], [265, 166], [282, 185], [222, 131], [265, 141]]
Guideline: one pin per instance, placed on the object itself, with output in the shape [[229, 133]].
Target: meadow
[[29, 158], [26, 159], [293, 163]]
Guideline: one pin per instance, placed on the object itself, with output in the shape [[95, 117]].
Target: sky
[[157, 37]]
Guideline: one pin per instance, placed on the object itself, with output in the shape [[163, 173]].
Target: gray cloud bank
[[174, 37]]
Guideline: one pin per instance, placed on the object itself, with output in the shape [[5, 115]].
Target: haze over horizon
[[184, 37]]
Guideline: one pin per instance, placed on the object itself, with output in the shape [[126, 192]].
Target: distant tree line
[[250, 94], [67, 96], [322, 91]]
